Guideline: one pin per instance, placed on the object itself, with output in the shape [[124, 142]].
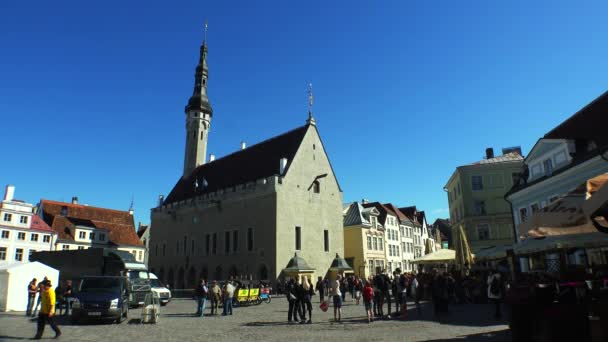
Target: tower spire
[[311, 119], [198, 113]]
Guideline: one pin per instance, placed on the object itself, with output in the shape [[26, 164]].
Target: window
[[140, 255], [207, 244], [20, 236], [8, 217], [2, 253], [477, 183], [250, 239], [523, 214], [235, 241], [397, 249], [191, 247], [92, 236], [214, 244], [326, 240], [226, 242], [480, 207], [19, 254], [80, 247], [375, 243], [390, 250], [316, 187], [369, 242], [535, 208], [176, 247], [82, 235], [381, 244], [23, 219], [298, 238], [134, 252], [483, 232], [164, 248], [374, 221], [102, 237], [5, 234], [156, 250], [34, 237], [185, 245], [65, 247], [46, 238], [548, 164]]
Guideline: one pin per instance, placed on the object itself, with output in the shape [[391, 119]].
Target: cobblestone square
[[268, 322]]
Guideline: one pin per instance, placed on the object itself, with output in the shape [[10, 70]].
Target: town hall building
[[246, 214]]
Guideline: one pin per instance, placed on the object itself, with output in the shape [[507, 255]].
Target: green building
[[476, 198]]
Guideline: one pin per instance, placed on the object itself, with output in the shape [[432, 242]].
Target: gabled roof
[[357, 215], [39, 224], [589, 123], [142, 230], [381, 209], [255, 162], [119, 224]]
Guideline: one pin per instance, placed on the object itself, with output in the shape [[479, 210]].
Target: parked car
[[101, 298], [163, 292]]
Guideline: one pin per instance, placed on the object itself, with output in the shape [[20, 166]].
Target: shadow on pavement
[[4, 337], [495, 336], [472, 315], [267, 324]]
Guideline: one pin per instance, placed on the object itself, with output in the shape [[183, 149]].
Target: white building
[[21, 231], [389, 218]]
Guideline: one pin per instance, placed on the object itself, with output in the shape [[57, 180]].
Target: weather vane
[[310, 97], [205, 31]]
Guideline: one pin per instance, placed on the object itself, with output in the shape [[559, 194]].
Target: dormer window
[[64, 211]]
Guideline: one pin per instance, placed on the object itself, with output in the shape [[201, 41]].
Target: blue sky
[[92, 93]]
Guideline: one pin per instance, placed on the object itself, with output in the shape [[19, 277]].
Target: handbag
[[324, 306]]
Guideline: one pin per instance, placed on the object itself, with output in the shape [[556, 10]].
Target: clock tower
[[198, 115]]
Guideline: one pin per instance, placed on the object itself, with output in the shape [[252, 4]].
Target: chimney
[[131, 211], [161, 199], [9, 193], [489, 153], [74, 200], [211, 157], [282, 166], [243, 145], [364, 201]]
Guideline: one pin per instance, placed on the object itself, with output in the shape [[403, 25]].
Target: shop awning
[[442, 256], [552, 243], [492, 253]]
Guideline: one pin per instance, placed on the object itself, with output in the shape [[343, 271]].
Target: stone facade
[[253, 225]]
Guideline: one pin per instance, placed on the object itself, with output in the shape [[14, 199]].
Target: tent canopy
[[442, 256]]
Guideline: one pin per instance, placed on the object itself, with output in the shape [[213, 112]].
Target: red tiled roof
[[119, 224], [39, 224]]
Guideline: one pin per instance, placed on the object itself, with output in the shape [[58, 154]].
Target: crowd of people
[[385, 295]]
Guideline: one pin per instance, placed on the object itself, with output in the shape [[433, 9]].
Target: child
[[368, 296]]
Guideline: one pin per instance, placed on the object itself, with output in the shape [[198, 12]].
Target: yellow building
[[476, 199], [363, 240]]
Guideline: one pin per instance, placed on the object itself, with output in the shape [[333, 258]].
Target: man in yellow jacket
[[47, 310]]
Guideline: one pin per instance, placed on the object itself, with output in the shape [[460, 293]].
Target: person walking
[[228, 294], [201, 292], [307, 300], [68, 297], [387, 292], [379, 295], [495, 289], [39, 291], [320, 287], [215, 295], [32, 289], [299, 305], [368, 297], [343, 288], [337, 297], [47, 310]]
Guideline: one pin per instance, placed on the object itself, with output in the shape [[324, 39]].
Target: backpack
[[495, 286]]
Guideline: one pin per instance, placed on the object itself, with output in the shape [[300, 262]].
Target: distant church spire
[[198, 114], [311, 119]]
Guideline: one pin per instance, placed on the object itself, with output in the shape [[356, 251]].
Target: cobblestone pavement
[[267, 322]]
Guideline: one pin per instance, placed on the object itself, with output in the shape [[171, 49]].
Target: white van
[[163, 292]]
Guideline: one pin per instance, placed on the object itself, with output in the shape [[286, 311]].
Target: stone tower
[[198, 115]]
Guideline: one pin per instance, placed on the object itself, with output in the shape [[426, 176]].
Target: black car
[[101, 299]]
